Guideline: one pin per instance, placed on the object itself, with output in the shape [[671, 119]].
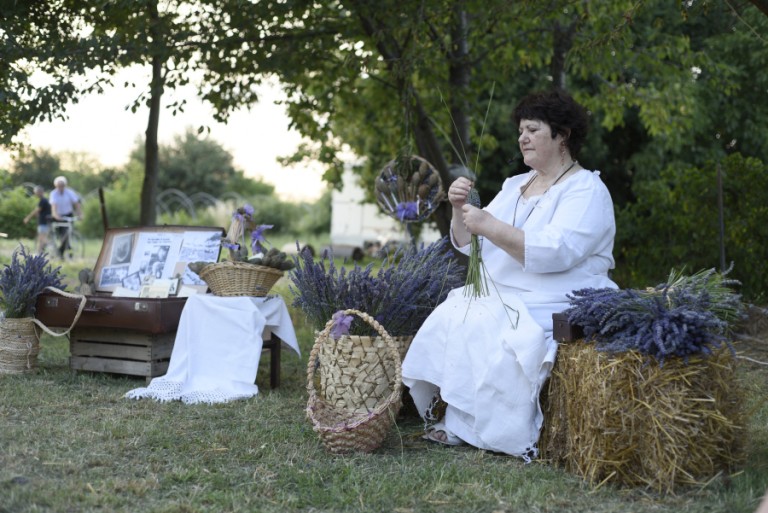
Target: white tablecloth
[[218, 344]]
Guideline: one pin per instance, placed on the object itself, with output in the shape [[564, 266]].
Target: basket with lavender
[[21, 282], [241, 275]]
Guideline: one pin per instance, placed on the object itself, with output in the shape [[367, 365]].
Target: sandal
[[447, 437]]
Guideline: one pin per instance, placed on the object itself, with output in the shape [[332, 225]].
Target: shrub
[[14, 205], [674, 224]]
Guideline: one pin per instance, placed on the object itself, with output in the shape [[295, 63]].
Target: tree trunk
[[430, 149], [458, 77], [762, 5], [562, 40], [151, 158]]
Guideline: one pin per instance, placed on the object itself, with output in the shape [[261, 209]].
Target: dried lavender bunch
[[23, 280], [686, 315], [477, 283], [409, 284]]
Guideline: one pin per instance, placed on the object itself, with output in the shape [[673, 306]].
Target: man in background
[[65, 203], [43, 213]]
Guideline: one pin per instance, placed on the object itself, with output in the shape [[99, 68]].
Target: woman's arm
[[503, 235]]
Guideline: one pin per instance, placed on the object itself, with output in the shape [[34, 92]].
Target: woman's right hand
[[458, 192]]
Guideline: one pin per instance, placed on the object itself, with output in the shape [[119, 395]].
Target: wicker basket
[[19, 346], [239, 278], [364, 405]]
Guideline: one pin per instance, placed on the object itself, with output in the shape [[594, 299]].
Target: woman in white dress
[[548, 232]]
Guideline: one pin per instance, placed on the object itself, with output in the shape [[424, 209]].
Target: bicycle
[[63, 234]]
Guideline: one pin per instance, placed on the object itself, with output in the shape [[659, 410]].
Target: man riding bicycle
[[65, 204]]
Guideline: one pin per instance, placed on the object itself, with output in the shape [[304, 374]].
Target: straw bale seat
[[624, 419]]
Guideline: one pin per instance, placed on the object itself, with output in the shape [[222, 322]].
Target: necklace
[[527, 185]]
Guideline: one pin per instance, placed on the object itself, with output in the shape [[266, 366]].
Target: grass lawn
[[70, 442]]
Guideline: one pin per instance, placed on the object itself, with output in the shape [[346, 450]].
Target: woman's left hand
[[476, 220]]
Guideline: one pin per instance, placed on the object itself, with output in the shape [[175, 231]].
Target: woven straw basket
[[239, 278], [20, 339], [19, 346], [360, 385]]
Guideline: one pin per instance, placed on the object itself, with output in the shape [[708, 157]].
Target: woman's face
[[539, 150]]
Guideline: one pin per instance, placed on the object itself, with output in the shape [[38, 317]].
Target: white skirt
[[488, 358]]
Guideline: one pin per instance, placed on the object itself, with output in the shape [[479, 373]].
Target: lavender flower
[[407, 210], [341, 324], [257, 237], [23, 280]]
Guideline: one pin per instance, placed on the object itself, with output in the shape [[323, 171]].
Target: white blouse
[[569, 232]]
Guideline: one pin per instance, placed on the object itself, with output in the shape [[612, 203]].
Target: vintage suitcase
[[128, 256], [133, 335]]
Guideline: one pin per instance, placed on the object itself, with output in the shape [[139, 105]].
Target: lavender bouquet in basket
[[236, 244], [21, 281]]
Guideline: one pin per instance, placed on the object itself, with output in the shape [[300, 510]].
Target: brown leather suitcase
[[119, 253], [128, 335]]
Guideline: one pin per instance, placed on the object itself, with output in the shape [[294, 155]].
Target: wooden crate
[[138, 353], [121, 351]]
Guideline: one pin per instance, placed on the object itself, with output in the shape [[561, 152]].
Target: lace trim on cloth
[[163, 391]]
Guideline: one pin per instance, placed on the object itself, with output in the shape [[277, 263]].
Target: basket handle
[[80, 308], [391, 347]]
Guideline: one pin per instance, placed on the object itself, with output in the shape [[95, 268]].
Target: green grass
[[70, 442]]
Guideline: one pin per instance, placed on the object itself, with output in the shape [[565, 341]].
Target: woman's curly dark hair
[[561, 112]]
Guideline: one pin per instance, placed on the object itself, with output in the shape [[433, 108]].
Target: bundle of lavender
[[477, 283], [686, 315]]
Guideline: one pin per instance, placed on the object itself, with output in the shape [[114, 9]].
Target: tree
[[37, 167], [415, 76], [195, 163], [68, 40]]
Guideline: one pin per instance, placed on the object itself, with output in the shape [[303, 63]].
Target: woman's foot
[[440, 434]]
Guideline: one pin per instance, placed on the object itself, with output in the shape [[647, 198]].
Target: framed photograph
[[132, 281], [122, 248], [174, 288], [131, 258]]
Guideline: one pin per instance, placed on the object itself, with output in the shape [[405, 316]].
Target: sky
[[100, 125]]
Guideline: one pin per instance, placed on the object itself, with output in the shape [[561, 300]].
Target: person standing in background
[[43, 213], [64, 203]]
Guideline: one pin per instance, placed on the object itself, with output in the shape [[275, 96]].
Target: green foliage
[[271, 210], [122, 205], [182, 218], [315, 218], [194, 163], [14, 205], [36, 166], [675, 224]]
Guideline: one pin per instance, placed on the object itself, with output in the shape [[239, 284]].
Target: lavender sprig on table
[[684, 316]]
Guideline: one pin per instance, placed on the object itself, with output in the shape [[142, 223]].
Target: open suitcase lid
[[132, 257]]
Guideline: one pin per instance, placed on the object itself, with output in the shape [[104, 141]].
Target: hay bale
[[626, 420]]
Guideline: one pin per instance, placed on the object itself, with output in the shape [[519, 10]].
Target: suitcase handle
[[77, 315], [107, 309]]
